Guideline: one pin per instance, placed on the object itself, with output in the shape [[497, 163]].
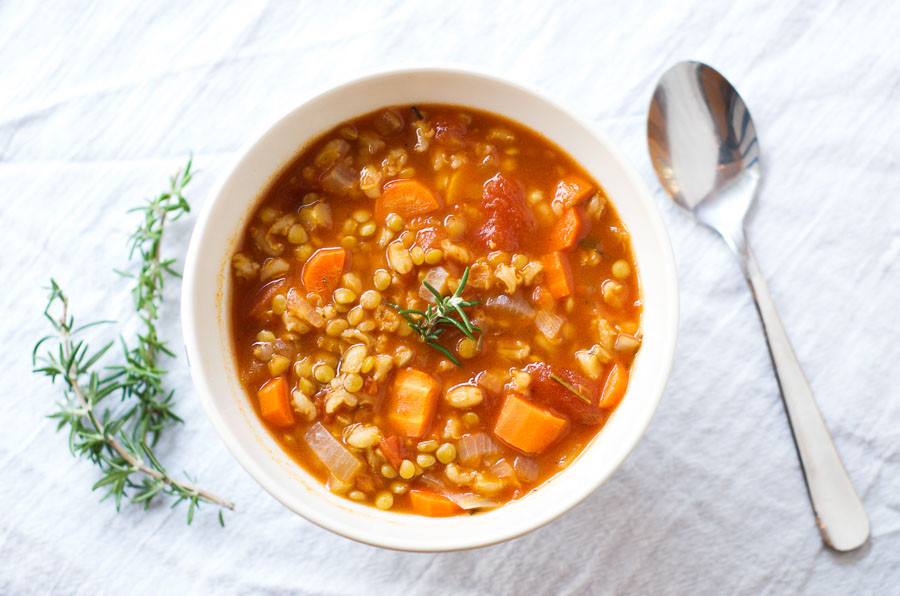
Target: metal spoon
[[704, 149]]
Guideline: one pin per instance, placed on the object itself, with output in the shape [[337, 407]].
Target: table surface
[[101, 101]]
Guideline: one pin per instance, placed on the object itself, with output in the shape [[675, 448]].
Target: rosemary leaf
[[577, 391]]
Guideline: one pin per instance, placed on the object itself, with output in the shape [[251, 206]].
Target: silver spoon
[[704, 149]]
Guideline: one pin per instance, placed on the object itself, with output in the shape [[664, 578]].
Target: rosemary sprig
[[143, 378], [576, 390], [436, 318], [117, 441]]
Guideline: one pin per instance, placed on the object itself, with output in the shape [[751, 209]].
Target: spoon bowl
[[705, 151]]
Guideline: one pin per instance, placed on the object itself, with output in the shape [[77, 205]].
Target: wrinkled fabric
[[101, 101]]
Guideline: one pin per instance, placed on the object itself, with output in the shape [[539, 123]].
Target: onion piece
[[437, 278], [466, 501], [490, 380], [548, 323], [471, 448], [340, 179], [469, 501], [502, 469], [513, 304], [334, 456], [298, 305], [526, 468], [627, 344]]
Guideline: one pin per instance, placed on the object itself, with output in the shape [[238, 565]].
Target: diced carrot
[[406, 198], [527, 427], [322, 271], [572, 190], [394, 450], [412, 401], [558, 275], [615, 386], [262, 300], [541, 297], [567, 230], [432, 504], [273, 403]]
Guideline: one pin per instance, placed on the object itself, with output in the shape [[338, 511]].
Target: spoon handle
[[839, 512]]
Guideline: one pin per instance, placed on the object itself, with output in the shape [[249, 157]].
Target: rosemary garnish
[[576, 390], [437, 317], [120, 442], [418, 113]]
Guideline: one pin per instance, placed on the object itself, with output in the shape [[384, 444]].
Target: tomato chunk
[[508, 219], [550, 392]]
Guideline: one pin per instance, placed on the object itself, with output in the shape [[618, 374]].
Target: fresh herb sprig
[[120, 442], [143, 378], [438, 317]]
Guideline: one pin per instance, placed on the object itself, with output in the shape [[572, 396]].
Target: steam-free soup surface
[[457, 397]]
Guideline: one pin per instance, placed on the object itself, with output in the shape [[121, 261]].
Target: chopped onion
[[627, 344], [339, 179], [548, 323], [388, 122], [502, 469], [466, 501], [298, 305], [433, 483], [470, 501], [514, 305], [490, 381], [527, 468], [437, 278], [471, 448], [334, 456]]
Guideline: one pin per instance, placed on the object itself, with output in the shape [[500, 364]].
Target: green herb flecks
[[576, 390], [437, 318], [119, 440]]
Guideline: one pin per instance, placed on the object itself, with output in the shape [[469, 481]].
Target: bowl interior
[[208, 336]]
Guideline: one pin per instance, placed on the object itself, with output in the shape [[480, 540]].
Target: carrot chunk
[[527, 427], [572, 190], [432, 504], [567, 231], [322, 271], [406, 198], [273, 403], [558, 275], [412, 401], [615, 386]]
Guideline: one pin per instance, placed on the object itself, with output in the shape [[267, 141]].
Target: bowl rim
[[189, 295]]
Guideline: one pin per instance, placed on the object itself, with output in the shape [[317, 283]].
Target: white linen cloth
[[101, 101]]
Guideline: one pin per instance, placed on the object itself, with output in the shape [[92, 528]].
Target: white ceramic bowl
[[207, 289]]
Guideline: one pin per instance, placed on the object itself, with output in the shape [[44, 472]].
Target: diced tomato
[[508, 219], [394, 450], [450, 131], [551, 393], [428, 238], [261, 301]]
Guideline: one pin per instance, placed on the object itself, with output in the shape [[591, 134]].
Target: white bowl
[[207, 289]]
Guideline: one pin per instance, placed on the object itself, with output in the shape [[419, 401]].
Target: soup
[[435, 309]]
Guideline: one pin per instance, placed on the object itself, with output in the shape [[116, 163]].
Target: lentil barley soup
[[435, 309]]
